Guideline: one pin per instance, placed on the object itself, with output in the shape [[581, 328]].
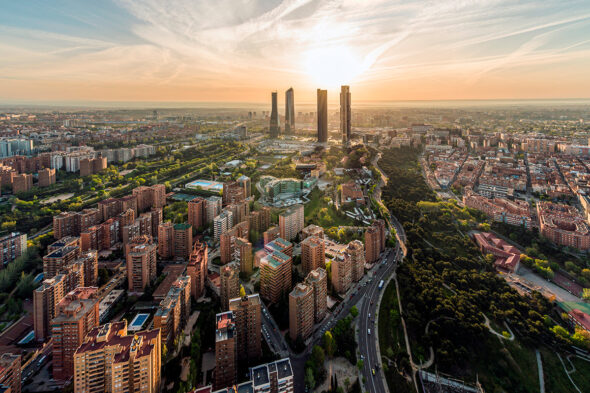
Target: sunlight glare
[[333, 66]]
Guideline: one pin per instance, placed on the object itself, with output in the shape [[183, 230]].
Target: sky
[[241, 50]]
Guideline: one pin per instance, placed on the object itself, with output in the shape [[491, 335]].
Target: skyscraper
[[322, 116], [345, 114], [274, 117], [289, 111]]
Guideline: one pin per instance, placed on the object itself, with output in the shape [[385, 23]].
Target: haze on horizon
[[240, 50]]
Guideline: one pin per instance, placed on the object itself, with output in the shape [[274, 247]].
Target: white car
[[369, 332]]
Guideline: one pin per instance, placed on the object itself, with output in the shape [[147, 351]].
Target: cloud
[[265, 43]]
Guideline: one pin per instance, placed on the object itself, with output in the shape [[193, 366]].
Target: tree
[[329, 343], [309, 379], [242, 291], [354, 311]]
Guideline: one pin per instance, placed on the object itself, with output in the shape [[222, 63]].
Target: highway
[[368, 310]]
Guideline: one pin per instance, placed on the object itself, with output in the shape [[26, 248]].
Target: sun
[[332, 66]]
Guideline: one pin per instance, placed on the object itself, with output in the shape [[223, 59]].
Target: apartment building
[[291, 222], [275, 276], [76, 314], [110, 360], [46, 177], [230, 284], [226, 350], [301, 315], [313, 253], [12, 246], [173, 311], [197, 212], [10, 372], [197, 269], [141, 263], [248, 319], [355, 252]]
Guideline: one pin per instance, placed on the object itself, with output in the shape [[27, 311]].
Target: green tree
[[309, 379], [329, 344], [354, 311]]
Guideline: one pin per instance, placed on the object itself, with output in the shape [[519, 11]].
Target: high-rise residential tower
[[248, 325], [322, 116], [274, 117], [289, 111], [345, 114]]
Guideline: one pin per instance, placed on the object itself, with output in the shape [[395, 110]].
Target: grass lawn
[[556, 379], [506, 366], [582, 375]]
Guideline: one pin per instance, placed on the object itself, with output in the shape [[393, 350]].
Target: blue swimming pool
[[138, 321], [205, 184]]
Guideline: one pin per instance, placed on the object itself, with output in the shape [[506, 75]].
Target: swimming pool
[[208, 185], [138, 321]]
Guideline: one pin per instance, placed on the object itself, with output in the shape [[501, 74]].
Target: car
[[371, 302], [373, 370], [369, 332], [362, 357], [369, 315]]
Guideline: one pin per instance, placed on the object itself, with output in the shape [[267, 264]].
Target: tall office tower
[[313, 254], [341, 274], [222, 223], [355, 251], [289, 111], [274, 117], [291, 222], [248, 325], [246, 184], [166, 240], [109, 360], [196, 212], [173, 311], [301, 315], [374, 241], [345, 114], [275, 276], [183, 240], [141, 262], [226, 348], [230, 284], [233, 192], [212, 208], [76, 314], [10, 373], [197, 269], [322, 115], [318, 280]]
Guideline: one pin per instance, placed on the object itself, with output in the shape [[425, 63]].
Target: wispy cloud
[[262, 44]]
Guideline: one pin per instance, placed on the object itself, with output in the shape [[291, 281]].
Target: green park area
[[446, 283]]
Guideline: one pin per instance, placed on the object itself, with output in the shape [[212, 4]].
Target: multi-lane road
[[368, 330]]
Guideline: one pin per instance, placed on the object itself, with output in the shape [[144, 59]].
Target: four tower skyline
[[322, 114]]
